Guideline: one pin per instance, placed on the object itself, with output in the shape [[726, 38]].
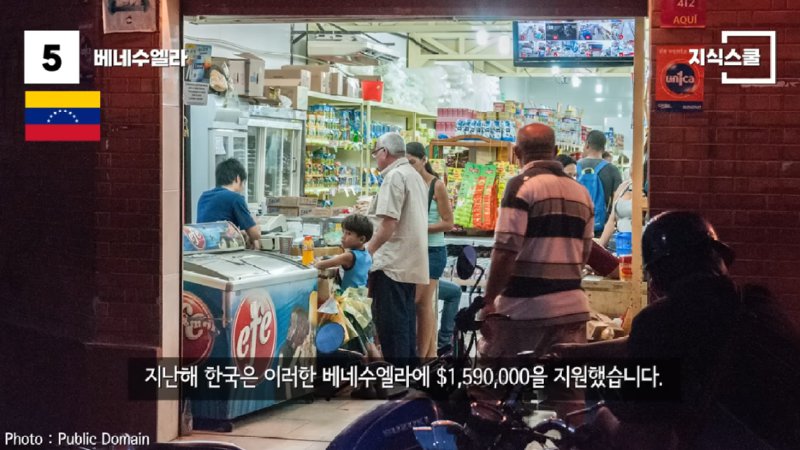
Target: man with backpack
[[599, 177]]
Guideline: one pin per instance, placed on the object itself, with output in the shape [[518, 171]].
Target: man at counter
[[543, 239], [225, 202], [399, 249]]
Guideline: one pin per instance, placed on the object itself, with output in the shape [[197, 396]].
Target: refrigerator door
[[275, 146], [225, 144]]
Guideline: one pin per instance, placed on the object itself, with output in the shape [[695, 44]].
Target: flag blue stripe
[[62, 116]]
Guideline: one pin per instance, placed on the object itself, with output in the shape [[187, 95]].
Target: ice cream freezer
[[243, 308]]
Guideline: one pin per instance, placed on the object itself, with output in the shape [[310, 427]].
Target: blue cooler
[[243, 308]]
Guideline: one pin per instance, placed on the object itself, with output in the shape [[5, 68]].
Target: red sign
[[683, 13], [679, 85], [254, 332], [198, 328]]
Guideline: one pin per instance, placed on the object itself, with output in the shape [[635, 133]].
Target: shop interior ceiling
[[485, 45]]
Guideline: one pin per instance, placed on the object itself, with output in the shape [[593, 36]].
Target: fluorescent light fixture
[[598, 88], [576, 81], [482, 36], [619, 115], [599, 99], [555, 70], [504, 45]]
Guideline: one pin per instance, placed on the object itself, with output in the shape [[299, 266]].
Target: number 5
[[50, 53]]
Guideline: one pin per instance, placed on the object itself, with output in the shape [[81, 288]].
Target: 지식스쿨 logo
[[254, 331]]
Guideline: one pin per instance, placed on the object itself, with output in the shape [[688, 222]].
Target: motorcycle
[[431, 417]]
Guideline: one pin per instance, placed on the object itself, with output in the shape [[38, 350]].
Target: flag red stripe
[[62, 132]]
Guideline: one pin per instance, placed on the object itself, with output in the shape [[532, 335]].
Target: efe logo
[[254, 331]]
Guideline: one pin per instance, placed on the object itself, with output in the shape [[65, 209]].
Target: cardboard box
[[297, 74], [281, 82], [320, 76], [311, 68], [289, 211], [309, 202], [336, 83], [352, 87], [237, 72], [297, 94], [321, 212], [254, 68]]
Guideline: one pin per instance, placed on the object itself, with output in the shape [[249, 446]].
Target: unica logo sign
[[254, 331]]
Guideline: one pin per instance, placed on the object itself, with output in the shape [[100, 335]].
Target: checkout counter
[[607, 296]]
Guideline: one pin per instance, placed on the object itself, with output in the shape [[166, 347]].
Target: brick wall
[[738, 162], [80, 236]]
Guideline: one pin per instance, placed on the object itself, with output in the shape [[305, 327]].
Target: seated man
[[225, 202]]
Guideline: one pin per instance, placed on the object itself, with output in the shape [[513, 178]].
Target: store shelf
[[322, 142], [408, 112], [475, 241], [318, 97], [471, 140]]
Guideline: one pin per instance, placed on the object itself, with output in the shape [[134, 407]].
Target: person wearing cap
[[704, 320]]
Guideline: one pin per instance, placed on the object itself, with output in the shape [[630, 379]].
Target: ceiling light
[[598, 88], [504, 45], [599, 99], [482, 36], [576, 81]]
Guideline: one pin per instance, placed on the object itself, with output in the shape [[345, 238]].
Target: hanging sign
[[683, 13], [679, 84]]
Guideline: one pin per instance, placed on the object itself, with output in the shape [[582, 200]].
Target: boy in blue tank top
[[356, 260]]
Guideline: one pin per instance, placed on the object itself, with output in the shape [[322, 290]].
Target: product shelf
[[315, 98], [407, 112]]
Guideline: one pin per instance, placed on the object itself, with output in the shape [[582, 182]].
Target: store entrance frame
[[368, 10]]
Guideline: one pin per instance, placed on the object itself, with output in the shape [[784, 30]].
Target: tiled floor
[[293, 426]]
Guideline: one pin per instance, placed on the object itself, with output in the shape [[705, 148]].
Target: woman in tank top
[[440, 219], [621, 215]]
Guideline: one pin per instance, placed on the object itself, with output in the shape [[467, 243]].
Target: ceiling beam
[[438, 45]]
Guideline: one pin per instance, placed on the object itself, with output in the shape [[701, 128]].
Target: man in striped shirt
[[543, 239]]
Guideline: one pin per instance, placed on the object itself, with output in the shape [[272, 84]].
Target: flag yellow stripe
[[62, 99]]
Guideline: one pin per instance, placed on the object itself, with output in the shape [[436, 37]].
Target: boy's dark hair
[[565, 159], [358, 224], [228, 170], [596, 140]]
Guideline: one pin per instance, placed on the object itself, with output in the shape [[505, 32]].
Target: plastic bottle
[[308, 251]]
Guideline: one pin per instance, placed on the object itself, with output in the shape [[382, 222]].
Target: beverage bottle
[[308, 251]]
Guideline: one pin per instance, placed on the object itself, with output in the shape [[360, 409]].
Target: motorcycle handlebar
[[465, 318]]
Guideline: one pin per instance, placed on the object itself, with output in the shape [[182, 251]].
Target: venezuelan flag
[[62, 115]]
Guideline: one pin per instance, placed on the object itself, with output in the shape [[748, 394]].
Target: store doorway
[[284, 176]]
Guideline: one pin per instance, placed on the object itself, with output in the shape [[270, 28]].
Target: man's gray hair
[[393, 143]]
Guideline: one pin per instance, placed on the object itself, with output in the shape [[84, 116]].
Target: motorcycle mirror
[[467, 260], [329, 337]]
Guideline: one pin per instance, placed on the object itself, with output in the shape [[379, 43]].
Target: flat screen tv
[[573, 43]]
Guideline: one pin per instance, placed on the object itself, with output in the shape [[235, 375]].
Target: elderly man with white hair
[[399, 249]]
